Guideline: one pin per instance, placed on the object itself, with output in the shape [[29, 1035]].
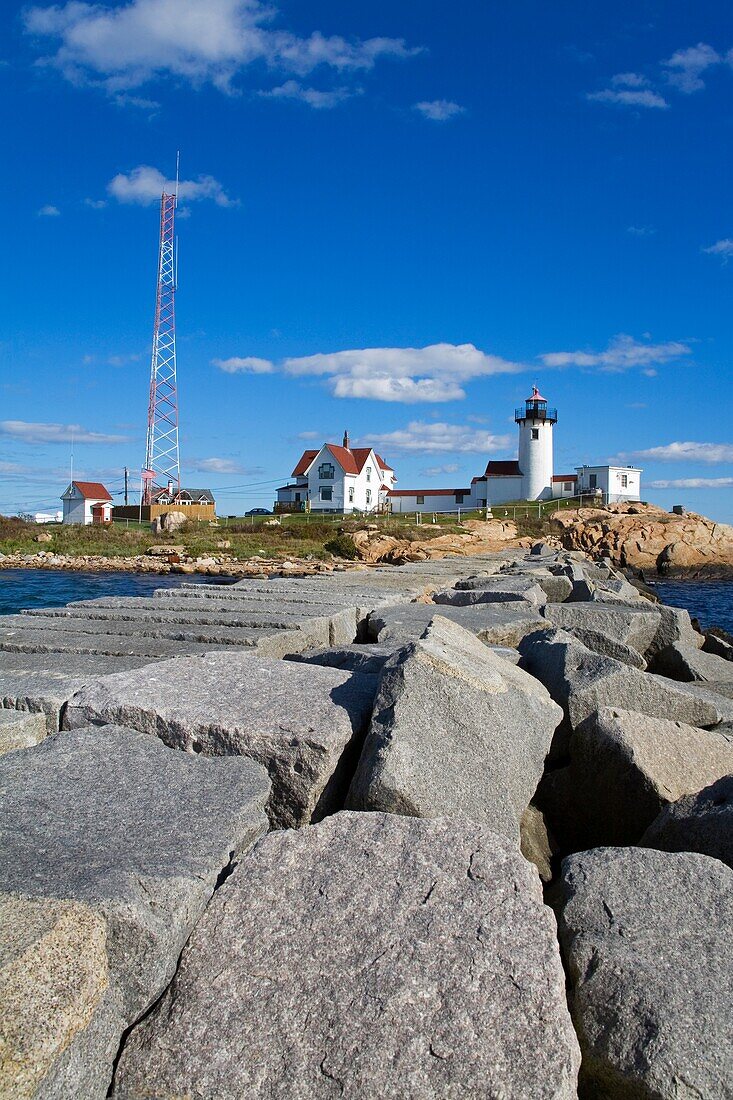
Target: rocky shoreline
[[462, 827]]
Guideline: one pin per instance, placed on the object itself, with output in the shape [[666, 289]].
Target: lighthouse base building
[[531, 476]]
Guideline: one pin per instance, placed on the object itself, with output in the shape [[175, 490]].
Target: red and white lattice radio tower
[[162, 462]]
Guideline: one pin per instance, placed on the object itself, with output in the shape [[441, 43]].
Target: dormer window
[[326, 471]]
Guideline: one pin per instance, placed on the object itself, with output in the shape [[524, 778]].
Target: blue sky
[[482, 195]]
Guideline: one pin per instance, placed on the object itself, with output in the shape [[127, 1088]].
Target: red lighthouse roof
[[536, 395]]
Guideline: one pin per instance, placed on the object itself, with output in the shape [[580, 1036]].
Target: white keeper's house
[[86, 502], [341, 479], [338, 479]]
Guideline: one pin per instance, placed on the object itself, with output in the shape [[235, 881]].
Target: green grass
[[297, 537]]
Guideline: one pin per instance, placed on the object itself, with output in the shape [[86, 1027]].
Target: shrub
[[342, 546]]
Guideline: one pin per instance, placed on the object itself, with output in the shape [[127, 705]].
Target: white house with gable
[[338, 479], [86, 502]]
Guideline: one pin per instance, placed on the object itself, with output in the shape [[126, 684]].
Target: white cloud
[[641, 230], [49, 211], [439, 110], [686, 452], [694, 483], [622, 353], [438, 471], [406, 375], [722, 248], [684, 68], [434, 373], [249, 365], [629, 80], [220, 466], [629, 98], [95, 204], [310, 435], [420, 437], [54, 433], [124, 47], [292, 89], [144, 186]]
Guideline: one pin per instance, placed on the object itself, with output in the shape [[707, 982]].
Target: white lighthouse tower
[[536, 422]]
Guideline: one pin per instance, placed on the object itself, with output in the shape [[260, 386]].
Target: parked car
[[259, 512]]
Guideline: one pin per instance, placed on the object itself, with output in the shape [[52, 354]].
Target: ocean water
[[21, 588], [709, 601]]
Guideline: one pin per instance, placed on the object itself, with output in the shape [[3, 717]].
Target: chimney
[[346, 441]]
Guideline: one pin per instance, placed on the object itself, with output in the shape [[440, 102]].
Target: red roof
[[303, 463], [565, 477], [536, 395], [427, 492], [92, 490], [351, 461], [503, 469]]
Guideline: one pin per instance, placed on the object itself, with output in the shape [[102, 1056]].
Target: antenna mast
[[162, 461]]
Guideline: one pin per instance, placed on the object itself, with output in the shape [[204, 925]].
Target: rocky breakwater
[[644, 537], [226, 874]]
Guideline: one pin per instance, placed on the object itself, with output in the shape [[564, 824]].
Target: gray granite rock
[[624, 769], [718, 645], [369, 659], [304, 724], [39, 692], [675, 625], [20, 729], [633, 627], [369, 956], [499, 589], [131, 838], [648, 938], [583, 682], [681, 661], [61, 1017], [456, 732], [701, 822], [493, 624]]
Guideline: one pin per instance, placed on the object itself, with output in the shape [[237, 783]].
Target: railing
[[529, 412]]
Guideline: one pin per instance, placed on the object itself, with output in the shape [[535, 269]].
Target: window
[[351, 494], [420, 500], [369, 496], [369, 473], [460, 498], [535, 433], [326, 471], [592, 481], [326, 492], [624, 481], [567, 486]]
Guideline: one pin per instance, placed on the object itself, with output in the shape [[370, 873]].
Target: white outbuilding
[[86, 502], [612, 484]]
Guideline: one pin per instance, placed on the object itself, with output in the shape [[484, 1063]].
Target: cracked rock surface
[[369, 956], [649, 943], [110, 848]]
